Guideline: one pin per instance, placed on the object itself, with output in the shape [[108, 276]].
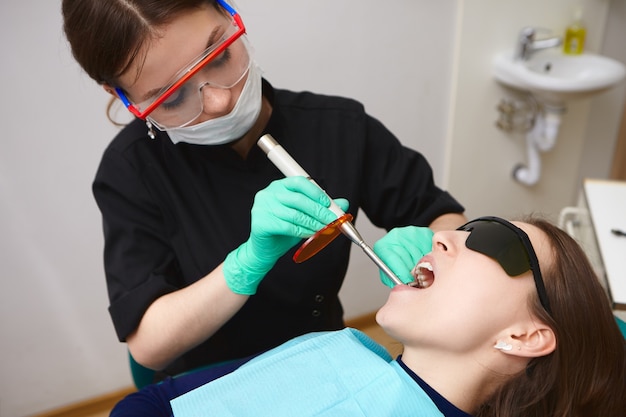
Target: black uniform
[[172, 213]]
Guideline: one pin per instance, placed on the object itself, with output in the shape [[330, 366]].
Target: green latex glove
[[401, 249], [283, 213]]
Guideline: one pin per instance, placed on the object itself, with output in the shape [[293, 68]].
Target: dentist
[[198, 224]]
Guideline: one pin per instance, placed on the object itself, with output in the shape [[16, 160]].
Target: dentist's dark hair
[[106, 36], [586, 374]]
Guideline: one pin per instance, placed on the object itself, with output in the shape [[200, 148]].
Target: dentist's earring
[[150, 131], [503, 346]]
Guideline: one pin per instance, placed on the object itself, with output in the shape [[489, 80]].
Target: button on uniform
[[319, 298]]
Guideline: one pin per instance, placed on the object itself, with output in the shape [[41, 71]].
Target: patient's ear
[[532, 342]]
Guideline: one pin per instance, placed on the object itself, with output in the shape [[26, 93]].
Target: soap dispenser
[[574, 42]]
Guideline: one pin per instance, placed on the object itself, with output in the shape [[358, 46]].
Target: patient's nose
[[448, 241]]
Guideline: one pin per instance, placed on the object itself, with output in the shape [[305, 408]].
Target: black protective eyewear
[[509, 246]]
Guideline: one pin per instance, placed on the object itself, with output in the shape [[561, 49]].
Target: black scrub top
[[171, 214]]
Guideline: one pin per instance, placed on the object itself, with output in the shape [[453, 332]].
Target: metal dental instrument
[[290, 168]]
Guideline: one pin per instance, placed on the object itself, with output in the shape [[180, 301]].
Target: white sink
[[555, 78]]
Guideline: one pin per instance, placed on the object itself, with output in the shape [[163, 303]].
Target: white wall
[[481, 157], [602, 130], [58, 345], [57, 342], [420, 66]]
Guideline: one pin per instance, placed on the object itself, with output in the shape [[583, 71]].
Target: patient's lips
[[423, 274]]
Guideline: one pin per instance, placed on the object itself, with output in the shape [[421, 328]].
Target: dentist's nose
[[216, 101]]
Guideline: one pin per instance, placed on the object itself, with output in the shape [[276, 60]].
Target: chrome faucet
[[527, 44]]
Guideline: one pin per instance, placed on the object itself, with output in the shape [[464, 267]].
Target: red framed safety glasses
[[232, 33]]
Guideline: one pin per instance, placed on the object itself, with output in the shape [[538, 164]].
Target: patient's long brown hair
[[586, 374]]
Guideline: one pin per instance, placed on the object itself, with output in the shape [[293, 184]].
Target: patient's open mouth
[[423, 274]]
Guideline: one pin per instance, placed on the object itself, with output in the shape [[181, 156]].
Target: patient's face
[[470, 300]]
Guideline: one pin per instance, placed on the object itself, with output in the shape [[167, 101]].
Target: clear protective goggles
[[222, 65]]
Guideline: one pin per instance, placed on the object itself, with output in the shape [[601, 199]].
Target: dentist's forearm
[[179, 321]]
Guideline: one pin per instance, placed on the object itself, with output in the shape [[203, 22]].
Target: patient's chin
[[381, 316], [385, 318], [393, 332]]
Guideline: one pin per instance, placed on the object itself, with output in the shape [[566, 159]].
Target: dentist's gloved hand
[[284, 212], [401, 249]]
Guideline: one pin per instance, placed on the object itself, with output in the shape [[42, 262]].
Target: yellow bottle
[[574, 42]]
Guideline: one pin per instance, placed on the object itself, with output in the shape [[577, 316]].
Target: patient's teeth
[[421, 281], [426, 265]]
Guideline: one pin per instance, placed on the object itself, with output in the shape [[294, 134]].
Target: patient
[[511, 322]]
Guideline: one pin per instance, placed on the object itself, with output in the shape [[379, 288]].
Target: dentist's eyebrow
[[210, 42]]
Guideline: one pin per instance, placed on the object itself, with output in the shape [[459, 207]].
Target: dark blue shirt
[[446, 407]]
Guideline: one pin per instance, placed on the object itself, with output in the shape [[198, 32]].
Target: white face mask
[[232, 126]]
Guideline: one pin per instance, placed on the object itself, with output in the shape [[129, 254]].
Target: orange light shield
[[321, 239]]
